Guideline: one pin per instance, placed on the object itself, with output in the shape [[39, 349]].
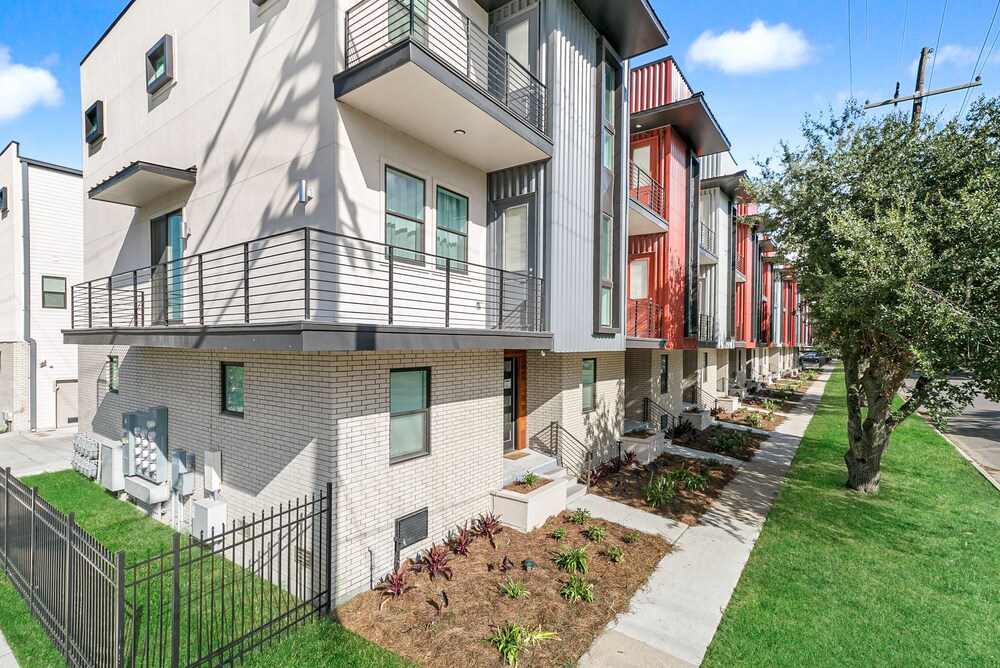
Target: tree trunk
[[868, 434]]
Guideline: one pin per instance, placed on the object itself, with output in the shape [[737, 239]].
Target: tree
[[893, 235]]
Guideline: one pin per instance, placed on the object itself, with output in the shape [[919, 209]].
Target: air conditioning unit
[[7, 416]]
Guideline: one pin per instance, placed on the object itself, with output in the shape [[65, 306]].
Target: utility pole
[[918, 93]]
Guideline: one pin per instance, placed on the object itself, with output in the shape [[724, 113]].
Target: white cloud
[[949, 54], [24, 87], [759, 48]]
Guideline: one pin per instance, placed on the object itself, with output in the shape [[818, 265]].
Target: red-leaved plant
[[630, 458], [488, 526], [435, 561], [396, 583], [460, 541]]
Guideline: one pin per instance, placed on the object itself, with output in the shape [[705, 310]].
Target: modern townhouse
[[380, 244], [700, 279], [41, 237]]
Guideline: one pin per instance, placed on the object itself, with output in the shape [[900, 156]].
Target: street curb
[[983, 472]]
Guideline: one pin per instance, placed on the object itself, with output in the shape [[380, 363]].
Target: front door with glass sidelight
[[513, 236], [167, 274], [509, 404]]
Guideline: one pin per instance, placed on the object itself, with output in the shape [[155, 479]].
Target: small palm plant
[[572, 560], [578, 589], [514, 590], [513, 639]]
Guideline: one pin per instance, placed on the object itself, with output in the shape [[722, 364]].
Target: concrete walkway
[[7, 659], [28, 453], [673, 618]]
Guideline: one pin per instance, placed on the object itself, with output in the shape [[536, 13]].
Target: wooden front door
[[515, 401]]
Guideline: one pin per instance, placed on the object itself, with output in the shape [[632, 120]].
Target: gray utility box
[[209, 517], [182, 472], [112, 463], [144, 435], [146, 492]]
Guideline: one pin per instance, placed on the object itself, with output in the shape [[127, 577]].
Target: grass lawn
[[121, 526], [906, 578]]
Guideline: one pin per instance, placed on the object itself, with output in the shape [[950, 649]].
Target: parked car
[[811, 359]]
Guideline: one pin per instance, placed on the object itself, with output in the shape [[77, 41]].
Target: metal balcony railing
[[441, 29], [739, 331], [646, 190], [708, 328], [741, 265], [708, 239], [645, 319], [312, 275]]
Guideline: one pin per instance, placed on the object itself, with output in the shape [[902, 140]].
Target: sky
[[762, 65]]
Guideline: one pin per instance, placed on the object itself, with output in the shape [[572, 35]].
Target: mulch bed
[[629, 487], [706, 442], [519, 486], [458, 635], [740, 417]]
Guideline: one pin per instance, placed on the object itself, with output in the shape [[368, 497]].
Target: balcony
[[708, 244], [708, 328], [739, 331], [647, 203], [309, 289], [741, 267], [429, 70], [645, 319]]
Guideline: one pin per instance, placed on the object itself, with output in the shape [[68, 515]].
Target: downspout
[[32, 345]]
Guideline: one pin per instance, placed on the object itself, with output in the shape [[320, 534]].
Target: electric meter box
[[144, 437], [209, 516], [182, 472], [112, 464]]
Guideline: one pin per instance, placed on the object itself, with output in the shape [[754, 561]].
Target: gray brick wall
[[317, 417], [14, 384]]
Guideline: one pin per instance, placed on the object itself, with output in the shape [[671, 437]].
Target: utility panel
[[144, 436], [112, 473]]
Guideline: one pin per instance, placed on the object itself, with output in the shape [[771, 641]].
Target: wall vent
[[410, 530]]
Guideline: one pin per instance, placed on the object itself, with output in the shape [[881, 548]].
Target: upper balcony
[[424, 67], [708, 244], [647, 203], [309, 289], [740, 265]]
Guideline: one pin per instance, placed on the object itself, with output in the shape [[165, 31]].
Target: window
[[3, 199], [399, 20], [93, 122], [515, 238], [664, 376], [53, 292], [607, 246], [589, 382], [113, 373], [232, 388], [409, 413], [404, 213], [160, 64], [638, 279], [704, 368], [608, 150], [452, 228]]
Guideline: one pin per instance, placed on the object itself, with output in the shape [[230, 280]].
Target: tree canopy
[[892, 233]]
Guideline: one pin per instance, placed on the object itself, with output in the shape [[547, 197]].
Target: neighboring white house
[[41, 241]]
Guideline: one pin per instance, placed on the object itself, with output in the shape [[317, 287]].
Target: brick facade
[[15, 359]]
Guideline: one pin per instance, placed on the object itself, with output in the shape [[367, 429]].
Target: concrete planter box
[[525, 512], [645, 449], [729, 404], [701, 420]]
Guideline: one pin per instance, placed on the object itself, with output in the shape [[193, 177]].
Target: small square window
[[589, 382], [93, 122], [160, 64], [3, 199], [232, 388], [409, 413], [113, 373], [53, 292]]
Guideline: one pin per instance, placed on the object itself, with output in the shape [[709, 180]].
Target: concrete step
[[575, 491]]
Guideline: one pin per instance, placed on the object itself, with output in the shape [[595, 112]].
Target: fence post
[[120, 609], [6, 513], [90, 305], [328, 546], [31, 552], [500, 304], [111, 305], [175, 606], [72, 307], [67, 623], [447, 292], [135, 299], [246, 282], [554, 440], [201, 289], [307, 259], [391, 265]]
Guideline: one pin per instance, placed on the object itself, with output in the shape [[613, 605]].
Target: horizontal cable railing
[[440, 28], [645, 319], [570, 452], [738, 331], [741, 265], [646, 190], [658, 415], [312, 275], [708, 329], [708, 239]]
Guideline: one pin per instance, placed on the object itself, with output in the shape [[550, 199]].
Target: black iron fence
[[209, 601], [646, 190], [440, 28], [645, 319], [312, 275], [708, 328]]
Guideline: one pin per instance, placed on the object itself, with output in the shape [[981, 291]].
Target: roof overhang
[[692, 119], [767, 245], [731, 184], [141, 183], [631, 26]]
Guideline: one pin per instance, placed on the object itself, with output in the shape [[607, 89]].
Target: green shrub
[[660, 491], [633, 537], [754, 419], [512, 589], [770, 405], [579, 516], [595, 533], [577, 589], [732, 441], [615, 554], [530, 480], [572, 560], [512, 639], [559, 533]]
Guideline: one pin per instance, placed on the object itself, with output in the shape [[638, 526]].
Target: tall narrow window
[[638, 279], [589, 384], [232, 388], [53, 292], [409, 413], [160, 64], [664, 376], [113, 373], [404, 213], [607, 247], [452, 228], [515, 238], [93, 122], [609, 119]]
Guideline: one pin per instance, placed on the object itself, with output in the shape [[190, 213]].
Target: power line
[[989, 31], [937, 44], [868, 90], [902, 38], [850, 48]]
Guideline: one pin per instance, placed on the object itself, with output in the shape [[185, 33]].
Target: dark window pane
[[233, 388]]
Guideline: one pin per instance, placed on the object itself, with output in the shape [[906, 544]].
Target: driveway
[[977, 431], [29, 453]]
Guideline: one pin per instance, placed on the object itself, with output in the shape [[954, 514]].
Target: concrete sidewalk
[[28, 453], [7, 659], [673, 618]]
